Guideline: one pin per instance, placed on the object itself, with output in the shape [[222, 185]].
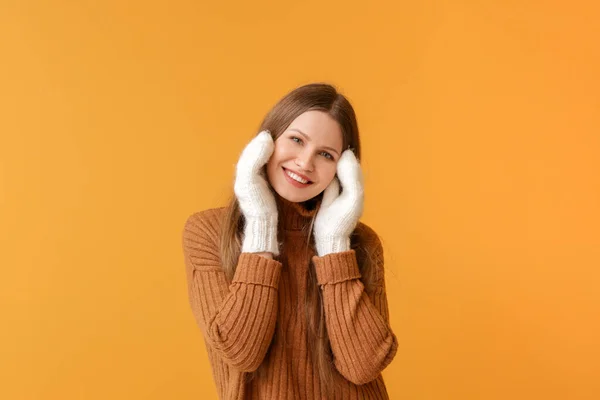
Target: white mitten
[[255, 198], [339, 213]]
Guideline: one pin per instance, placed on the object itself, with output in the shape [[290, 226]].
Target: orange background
[[481, 133]]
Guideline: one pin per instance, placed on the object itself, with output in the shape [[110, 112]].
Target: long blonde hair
[[326, 98]]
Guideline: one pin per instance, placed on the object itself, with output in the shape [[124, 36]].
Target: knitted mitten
[[339, 213], [255, 198]]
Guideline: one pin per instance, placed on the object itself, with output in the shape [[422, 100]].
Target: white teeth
[[295, 177]]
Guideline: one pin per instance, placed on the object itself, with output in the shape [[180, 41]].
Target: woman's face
[[310, 147]]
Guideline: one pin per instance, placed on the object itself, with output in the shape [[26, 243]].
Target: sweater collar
[[297, 216]]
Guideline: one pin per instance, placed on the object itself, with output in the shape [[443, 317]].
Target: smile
[[295, 179]]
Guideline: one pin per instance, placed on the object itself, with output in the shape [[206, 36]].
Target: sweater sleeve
[[237, 320], [361, 338]]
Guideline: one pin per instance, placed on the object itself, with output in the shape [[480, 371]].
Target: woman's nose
[[304, 161]]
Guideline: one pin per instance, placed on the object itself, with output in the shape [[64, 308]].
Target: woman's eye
[[327, 155]]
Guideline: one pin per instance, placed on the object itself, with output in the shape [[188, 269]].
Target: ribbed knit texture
[[238, 321]]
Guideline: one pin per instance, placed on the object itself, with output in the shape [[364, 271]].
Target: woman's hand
[[255, 198], [339, 213]]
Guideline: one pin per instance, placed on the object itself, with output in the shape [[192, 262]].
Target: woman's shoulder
[[369, 254], [366, 234], [207, 214], [201, 238], [205, 222]]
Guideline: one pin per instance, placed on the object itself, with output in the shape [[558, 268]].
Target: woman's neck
[[296, 216]]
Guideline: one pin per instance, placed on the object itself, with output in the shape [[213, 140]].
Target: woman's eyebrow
[[307, 138]]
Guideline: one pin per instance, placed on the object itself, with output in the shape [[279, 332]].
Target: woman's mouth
[[295, 179]]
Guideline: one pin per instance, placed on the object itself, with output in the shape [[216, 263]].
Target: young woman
[[285, 283]]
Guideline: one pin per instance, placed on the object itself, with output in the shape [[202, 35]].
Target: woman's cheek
[[286, 152]]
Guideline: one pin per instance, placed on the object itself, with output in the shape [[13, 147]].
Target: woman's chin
[[293, 197]]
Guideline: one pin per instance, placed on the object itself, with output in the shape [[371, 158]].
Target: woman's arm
[[237, 320], [362, 341]]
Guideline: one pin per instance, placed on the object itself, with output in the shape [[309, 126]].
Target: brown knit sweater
[[238, 320]]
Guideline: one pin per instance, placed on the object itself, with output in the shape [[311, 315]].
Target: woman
[[285, 283]]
